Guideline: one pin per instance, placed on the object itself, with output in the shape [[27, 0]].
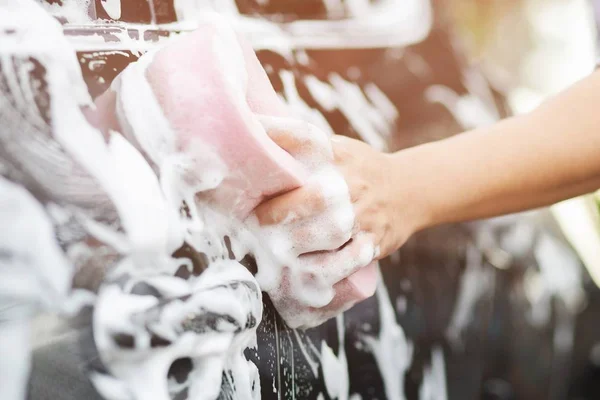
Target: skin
[[521, 163]]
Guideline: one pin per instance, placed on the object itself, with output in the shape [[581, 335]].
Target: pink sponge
[[210, 86]]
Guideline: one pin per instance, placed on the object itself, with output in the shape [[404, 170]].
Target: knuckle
[[342, 237]]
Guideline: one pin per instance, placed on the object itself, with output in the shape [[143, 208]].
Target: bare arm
[[521, 163]]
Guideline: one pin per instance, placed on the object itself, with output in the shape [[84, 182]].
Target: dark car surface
[[498, 309]]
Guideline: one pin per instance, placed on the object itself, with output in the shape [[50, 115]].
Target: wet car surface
[[465, 311]]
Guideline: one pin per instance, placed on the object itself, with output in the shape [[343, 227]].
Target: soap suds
[[15, 348], [295, 283], [112, 8], [301, 109], [434, 385], [312, 362], [158, 173], [34, 275], [370, 122], [385, 23], [469, 110], [475, 282], [72, 11], [192, 9], [212, 318], [335, 368], [392, 350], [561, 271]]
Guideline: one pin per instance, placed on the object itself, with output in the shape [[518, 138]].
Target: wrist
[[411, 205]]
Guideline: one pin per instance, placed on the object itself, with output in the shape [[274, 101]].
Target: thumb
[[297, 137]]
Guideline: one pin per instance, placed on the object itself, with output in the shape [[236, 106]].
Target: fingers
[[308, 228], [311, 219], [312, 227], [346, 293], [333, 266], [320, 285], [293, 206], [322, 233], [325, 190], [301, 139], [345, 148]]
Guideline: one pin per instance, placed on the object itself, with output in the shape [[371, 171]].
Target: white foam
[[475, 282], [392, 350], [143, 369], [148, 207], [152, 231], [469, 110], [154, 135], [204, 231], [372, 121], [15, 361], [433, 386], [34, 275], [386, 23], [112, 8], [73, 11], [335, 368], [36, 270]]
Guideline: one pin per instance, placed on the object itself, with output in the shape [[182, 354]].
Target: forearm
[[521, 163]]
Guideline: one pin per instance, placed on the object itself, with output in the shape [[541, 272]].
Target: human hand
[[369, 176], [330, 231]]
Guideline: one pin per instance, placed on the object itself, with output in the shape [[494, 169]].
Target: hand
[[369, 176], [330, 231]]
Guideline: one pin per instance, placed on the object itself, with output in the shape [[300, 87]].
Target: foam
[[335, 368], [223, 289], [72, 11], [147, 174], [297, 284], [34, 275], [392, 350], [112, 8], [151, 231], [385, 23], [434, 377], [34, 272]]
